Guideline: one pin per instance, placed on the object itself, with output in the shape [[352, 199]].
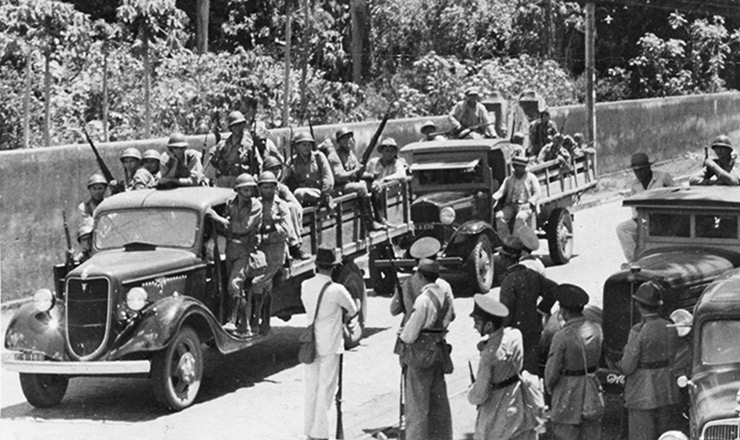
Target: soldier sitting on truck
[[386, 168], [150, 161], [520, 191], [265, 146], [130, 160], [540, 132], [143, 177], [555, 150], [429, 132], [180, 166], [470, 118], [718, 170], [84, 238], [96, 186], [308, 174], [348, 174]]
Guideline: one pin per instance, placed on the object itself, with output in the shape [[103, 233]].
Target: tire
[[384, 280], [560, 236], [481, 265], [43, 390], [351, 277], [177, 371]]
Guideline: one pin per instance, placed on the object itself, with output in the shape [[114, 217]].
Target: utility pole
[[286, 88], [590, 72]]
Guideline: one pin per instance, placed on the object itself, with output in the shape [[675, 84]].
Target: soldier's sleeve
[[480, 391], [283, 225], [554, 366], [455, 115], [631, 354], [535, 189], [255, 215], [340, 175], [416, 320], [327, 178]]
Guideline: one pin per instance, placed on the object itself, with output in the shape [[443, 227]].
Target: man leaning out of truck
[[520, 192]]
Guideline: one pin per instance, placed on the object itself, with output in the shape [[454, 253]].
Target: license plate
[[424, 226]]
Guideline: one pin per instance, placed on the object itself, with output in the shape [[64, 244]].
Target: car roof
[[722, 297], [688, 197], [446, 145], [197, 197]]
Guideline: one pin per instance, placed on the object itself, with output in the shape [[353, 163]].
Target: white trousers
[[627, 235], [322, 377]]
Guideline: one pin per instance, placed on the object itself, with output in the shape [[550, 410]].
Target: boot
[[244, 313], [254, 322], [266, 313], [296, 252], [230, 325], [366, 208]]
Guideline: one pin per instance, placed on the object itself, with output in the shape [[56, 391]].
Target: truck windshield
[[439, 176], [158, 226], [670, 225], [719, 342]]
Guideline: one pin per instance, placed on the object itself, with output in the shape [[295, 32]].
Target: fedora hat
[[640, 160], [649, 293], [326, 256]]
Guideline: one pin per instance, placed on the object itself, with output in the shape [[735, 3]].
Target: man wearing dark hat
[[180, 166], [719, 169], [540, 132], [646, 178], [96, 186], [649, 390], [308, 173], [520, 193], [471, 118], [497, 390], [571, 364], [236, 154], [273, 165], [427, 407], [322, 375]]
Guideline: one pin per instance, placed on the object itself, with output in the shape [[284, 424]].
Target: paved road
[[258, 393]]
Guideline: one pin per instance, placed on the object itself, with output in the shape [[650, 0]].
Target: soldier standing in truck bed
[[96, 186], [236, 154], [180, 166], [273, 165]]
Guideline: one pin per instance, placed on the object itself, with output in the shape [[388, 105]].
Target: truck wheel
[[177, 371], [481, 262], [351, 277], [384, 280], [560, 235], [43, 390]]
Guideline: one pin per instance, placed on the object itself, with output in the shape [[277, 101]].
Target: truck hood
[[131, 265], [440, 199], [715, 396], [684, 267]]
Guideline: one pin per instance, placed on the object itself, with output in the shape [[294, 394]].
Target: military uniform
[[192, 169], [310, 179], [344, 166], [87, 209], [142, 179], [232, 157], [466, 116]]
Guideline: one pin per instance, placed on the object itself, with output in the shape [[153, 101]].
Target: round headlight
[[447, 215], [43, 300], [136, 299]]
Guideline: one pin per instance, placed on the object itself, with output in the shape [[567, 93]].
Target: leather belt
[[589, 370], [654, 365], [505, 383]]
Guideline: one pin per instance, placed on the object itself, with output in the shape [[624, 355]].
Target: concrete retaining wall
[[37, 184]]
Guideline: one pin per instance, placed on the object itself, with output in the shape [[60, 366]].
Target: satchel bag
[[593, 394], [307, 340], [256, 264]]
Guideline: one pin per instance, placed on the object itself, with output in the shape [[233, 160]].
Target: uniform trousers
[[427, 406], [307, 196], [586, 430], [627, 235], [296, 221], [321, 378], [649, 424], [521, 214]]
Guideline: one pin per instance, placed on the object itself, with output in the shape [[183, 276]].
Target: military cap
[[570, 295], [388, 142], [267, 177], [303, 137], [85, 229], [682, 321], [649, 293], [326, 256], [528, 238], [342, 132], [567, 140], [270, 163], [96, 179], [485, 306], [429, 266], [640, 160], [544, 109], [428, 124], [722, 141], [519, 161], [425, 247], [512, 245], [235, 117], [243, 180], [177, 140], [151, 154], [578, 137], [673, 435], [473, 90], [131, 153]]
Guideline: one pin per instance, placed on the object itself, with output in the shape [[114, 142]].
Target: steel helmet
[[428, 124], [85, 229], [342, 132], [151, 154], [270, 163], [132, 153], [235, 117], [243, 180], [388, 142], [267, 177], [303, 137], [722, 141], [96, 179], [177, 140]]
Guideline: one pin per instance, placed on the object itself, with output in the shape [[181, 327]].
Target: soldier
[[718, 170], [144, 177], [681, 365], [96, 186], [646, 178], [649, 391], [541, 132], [497, 390], [273, 165], [180, 166], [130, 159], [84, 239], [403, 300], [530, 243], [322, 375], [265, 146], [555, 150], [308, 174], [571, 364], [384, 169], [427, 407], [242, 223], [517, 144], [521, 192], [236, 154], [428, 130], [471, 117], [348, 173], [150, 160]]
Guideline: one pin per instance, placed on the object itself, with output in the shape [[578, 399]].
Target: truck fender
[[160, 323], [465, 236], [40, 332]]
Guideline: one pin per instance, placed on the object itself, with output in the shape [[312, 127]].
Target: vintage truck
[[687, 238], [153, 293], [453, 182]]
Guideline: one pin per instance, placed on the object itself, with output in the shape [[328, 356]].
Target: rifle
[[470, 370], [310, 128], [70, 252], [402, 406], [376, 136], [101, 163], [465, 131], [338, 400], [216, 130]]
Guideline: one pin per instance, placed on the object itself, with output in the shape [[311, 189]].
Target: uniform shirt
[[87, 209], [649, 341], [233, 156], [312, 173], [702, 179], [274, 226], [284, 193], [192, 169], [552, 152], [519, 190], [395, 170], [467, 117], [244, 222], [328, 324], [424, 313], [142, 179], [659, 180], [343, 164], [403, 302], [567, 353]]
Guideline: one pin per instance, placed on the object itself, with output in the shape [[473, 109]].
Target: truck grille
[[725, 430], [87, 316], [618, 322], [423, 212]]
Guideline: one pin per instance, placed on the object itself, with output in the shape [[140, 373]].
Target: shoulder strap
[[318, 303], [440, 309], [583, 350]]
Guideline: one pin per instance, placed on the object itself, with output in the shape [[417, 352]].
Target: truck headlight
[[43, 300], [447, 215], [136, 299]]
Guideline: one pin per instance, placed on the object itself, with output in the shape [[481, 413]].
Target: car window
[[716, 226], [670, 225], [450, 176], [719, 342], [163, 227]]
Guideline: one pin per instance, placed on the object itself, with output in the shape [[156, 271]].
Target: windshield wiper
[[139, 246]]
